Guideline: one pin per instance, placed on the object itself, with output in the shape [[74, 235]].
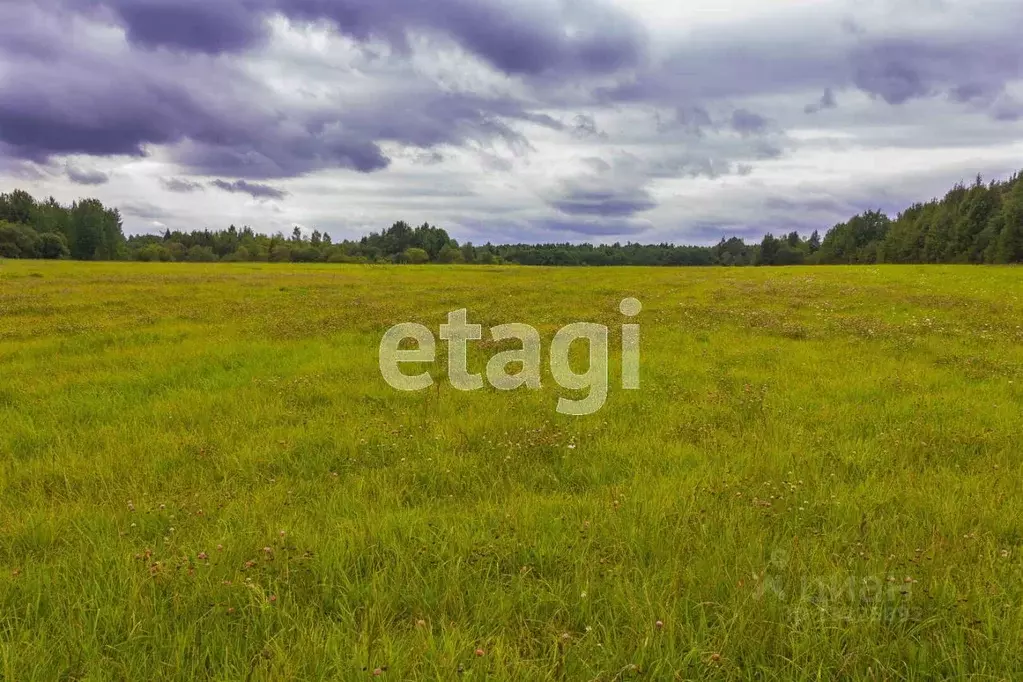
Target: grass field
[[204, 476]]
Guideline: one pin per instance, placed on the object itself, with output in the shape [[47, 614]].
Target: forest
[[979, 223]]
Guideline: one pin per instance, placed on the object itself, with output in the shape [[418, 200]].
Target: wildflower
[[273, 598], [659, 624], [377, 672], [203, 556], [480, 652]]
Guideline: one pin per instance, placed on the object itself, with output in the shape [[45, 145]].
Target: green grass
[[820, 478]]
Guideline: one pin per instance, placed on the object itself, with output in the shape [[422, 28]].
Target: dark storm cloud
[[522, 38], [219, 120], [201, 26], [181, 186], [746, 122], [551, 230], [215, 118], [351, 137], [893, 63], [100, 108], [83, 176], [209, 26], [281, 154], [897, 70], [608, 203], [254, 189], [223, 89]]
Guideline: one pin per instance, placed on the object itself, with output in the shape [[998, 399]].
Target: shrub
[[18, 241], [416, 256], [153, 253], [280, 254], [201, 254], [305, 255], [53, 246]]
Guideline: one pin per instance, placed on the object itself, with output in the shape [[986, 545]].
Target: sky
[[508, 120]]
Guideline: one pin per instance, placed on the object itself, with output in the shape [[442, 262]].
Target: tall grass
[[204, 476]]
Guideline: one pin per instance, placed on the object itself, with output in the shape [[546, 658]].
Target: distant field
[[204, 476]]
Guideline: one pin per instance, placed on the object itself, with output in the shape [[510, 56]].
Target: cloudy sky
[[508, 120]]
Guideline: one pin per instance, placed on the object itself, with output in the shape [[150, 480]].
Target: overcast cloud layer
[[508, 120]]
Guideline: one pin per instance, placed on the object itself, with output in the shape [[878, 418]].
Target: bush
[[280, 254], [305, 255], [416, 256], [177, 251], [450, 254], [201, 254], [18, 241], [340, 256], [53, 246], [787, 255], [154, 253]]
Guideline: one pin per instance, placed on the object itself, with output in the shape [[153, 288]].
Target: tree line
[[85, 230], [982, 223]]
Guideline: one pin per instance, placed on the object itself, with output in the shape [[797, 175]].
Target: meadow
[[204, 476]]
